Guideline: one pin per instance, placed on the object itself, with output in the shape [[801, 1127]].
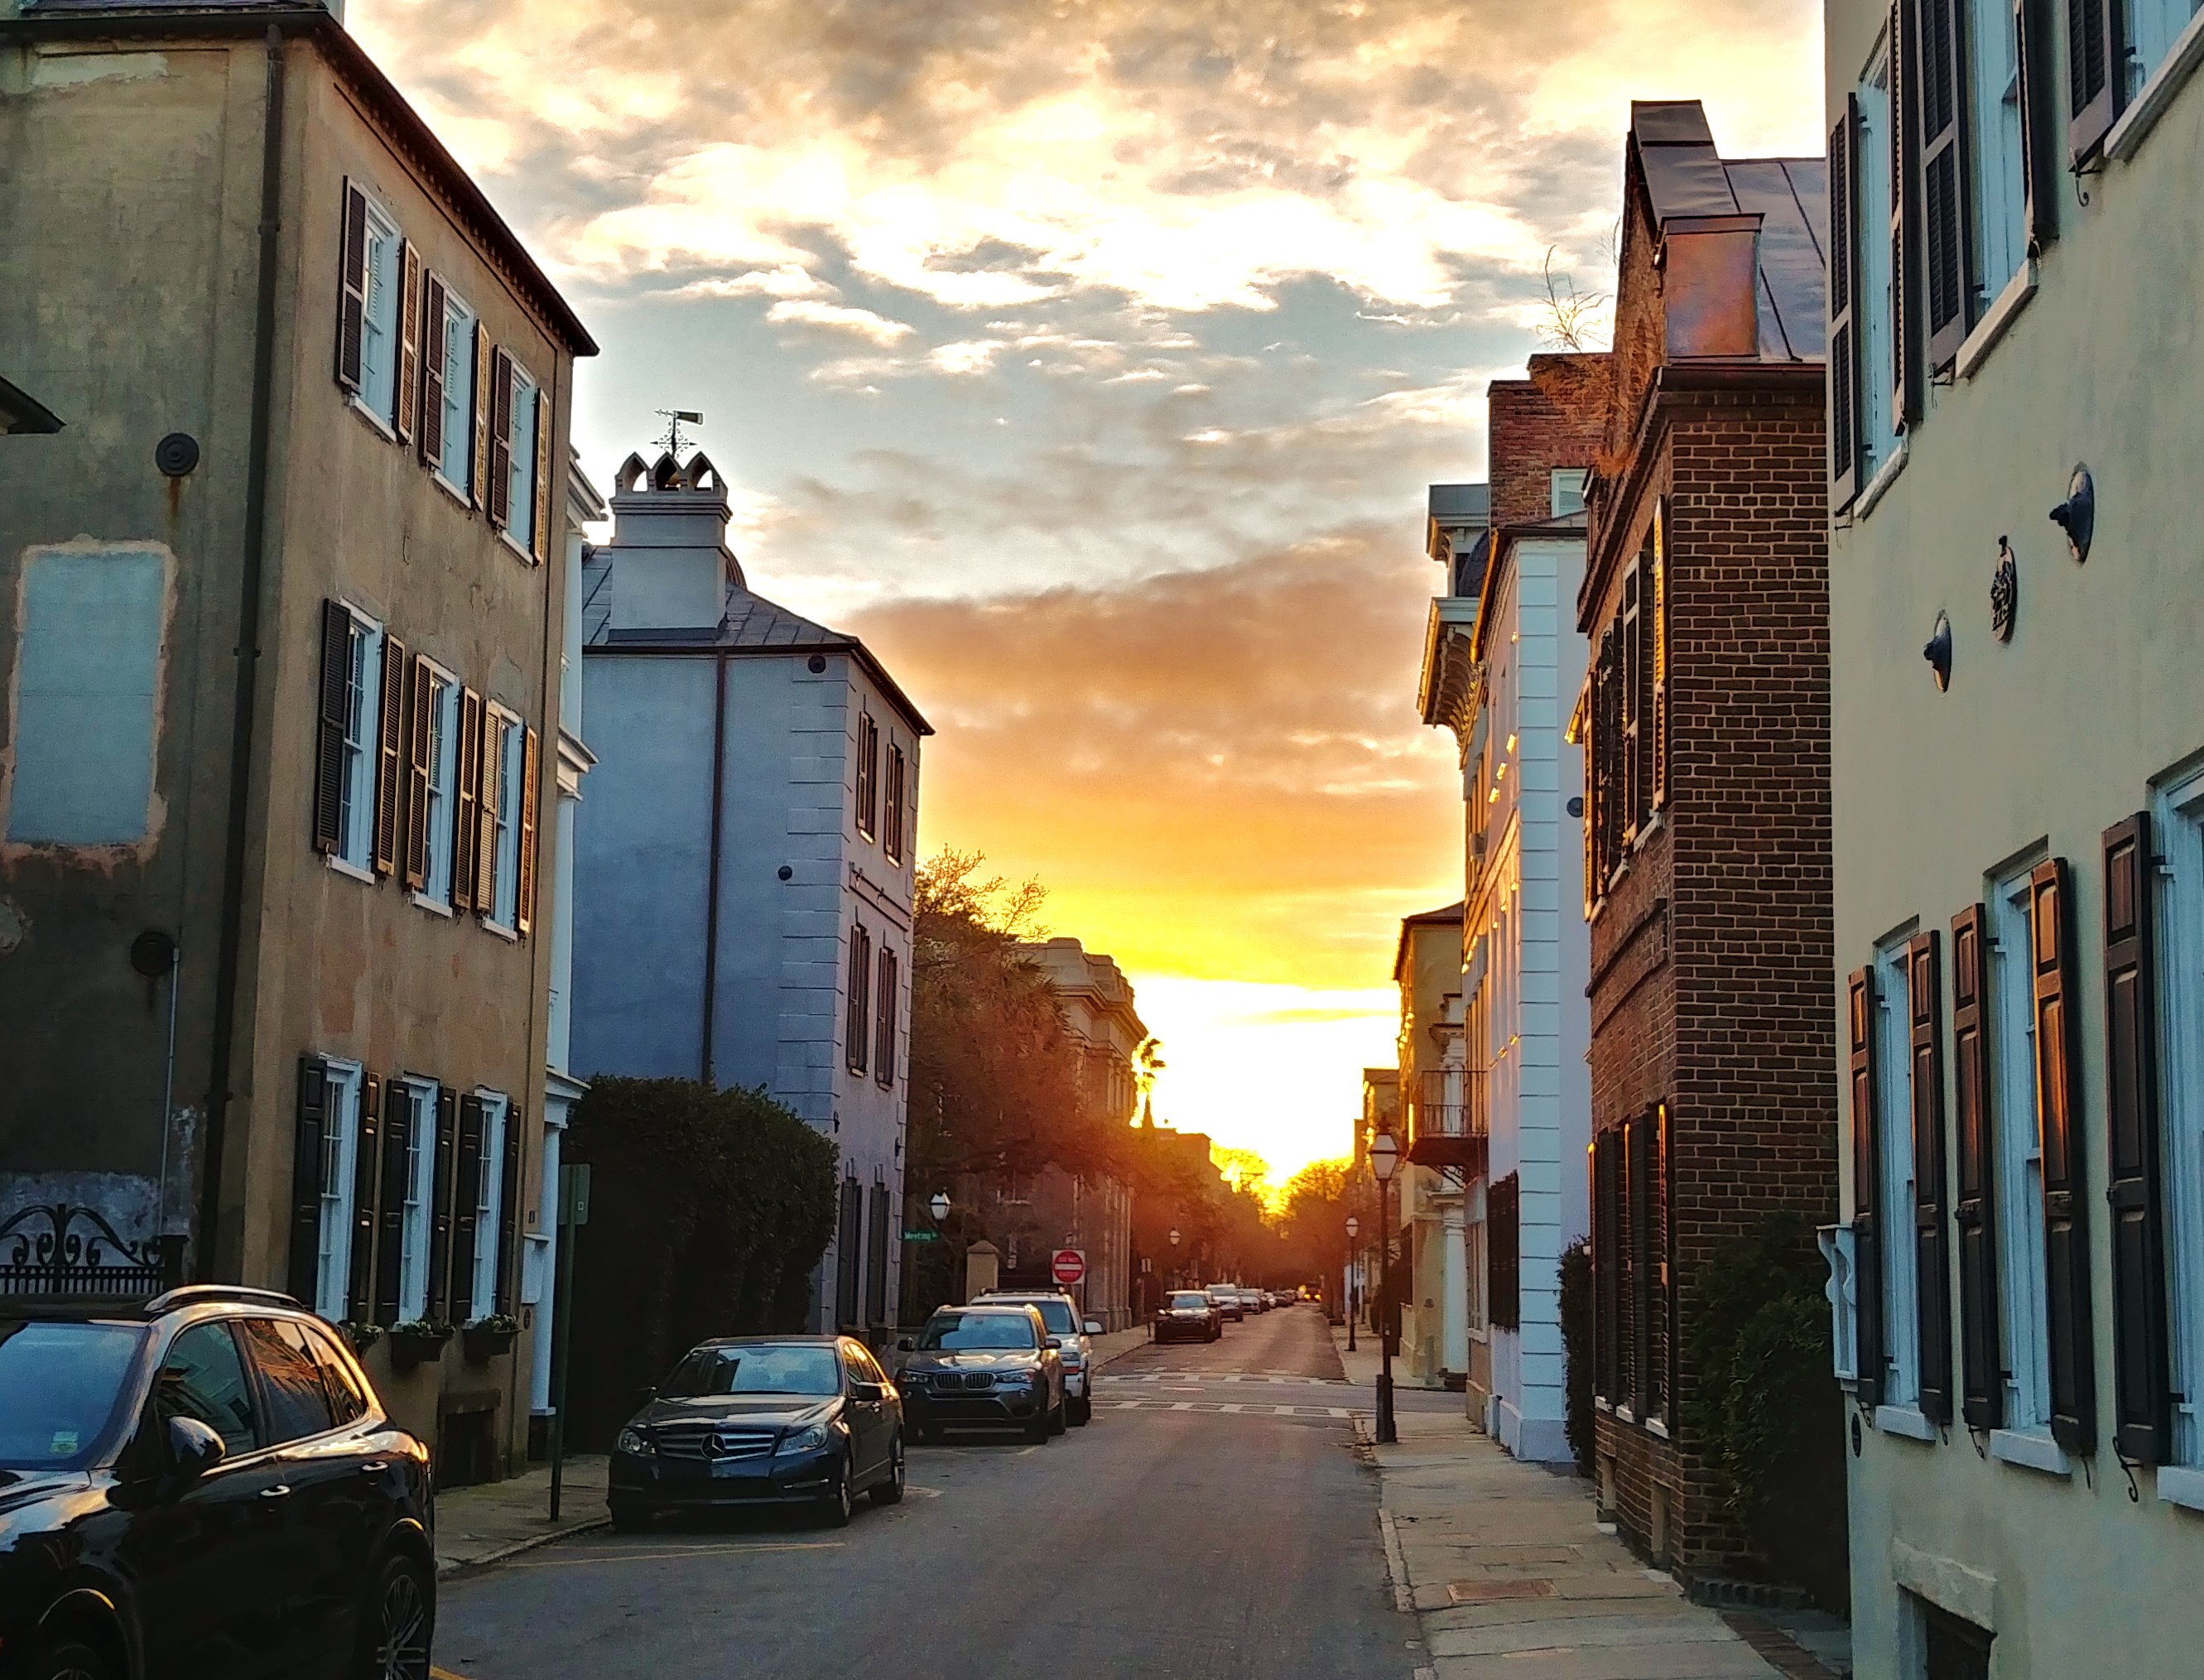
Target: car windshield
[[954, 1332], [1189, 1301], [1056, 1313], [65, 1383], [801, 1369]]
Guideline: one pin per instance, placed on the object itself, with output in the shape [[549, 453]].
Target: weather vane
[[674, 419]]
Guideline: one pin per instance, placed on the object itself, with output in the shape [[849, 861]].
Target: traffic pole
[[573, 1213]]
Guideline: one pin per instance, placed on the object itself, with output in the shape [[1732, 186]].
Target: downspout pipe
[[206, 1263], [712, 875]]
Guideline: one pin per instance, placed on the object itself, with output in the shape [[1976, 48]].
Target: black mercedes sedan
[[984, 1364], [204, 1484], [745, 1420]]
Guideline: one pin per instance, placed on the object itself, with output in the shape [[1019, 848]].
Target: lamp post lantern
[[939, 1206], [1384, 1156], [1353, 1229]]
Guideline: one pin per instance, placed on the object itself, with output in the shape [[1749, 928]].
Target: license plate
[[724, 1467]]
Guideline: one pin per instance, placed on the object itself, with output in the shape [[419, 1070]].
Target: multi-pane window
[[884, 1005], [419, 1097], [379, 323], [339, 1143], [1893, 1073], [2180, 821], [454, 338], [2000, 186], [495, 1111], [1873, 305], [2019, 1131], [857, 1022], [868, 776], [520, 467], [508, 739], [891, 815], [442, 705], [2153, 28], [1565, 488], [351, 692]]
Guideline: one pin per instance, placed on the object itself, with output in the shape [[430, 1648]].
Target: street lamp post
[[1353, 1229], [1174, 1242], [1384, 1156]]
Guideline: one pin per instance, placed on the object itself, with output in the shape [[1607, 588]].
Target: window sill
[[507, 537], [359, 407], [2140, 118], [1906, 1420], [346, 867], [501, 930], [2030, 1451], [433, 906], [1478, 1332], [1992, 327], [452, 489], [1625, 1414], [1885, 477], [2181, 1485], [1654, 825], [1600, 1404], [1658, 1426]]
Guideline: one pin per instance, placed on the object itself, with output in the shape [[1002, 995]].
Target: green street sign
[[921, 1236]]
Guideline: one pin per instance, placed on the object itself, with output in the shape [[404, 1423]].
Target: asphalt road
[[1212, 1523]]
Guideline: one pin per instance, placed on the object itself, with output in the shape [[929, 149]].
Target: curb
[[453, 1569]]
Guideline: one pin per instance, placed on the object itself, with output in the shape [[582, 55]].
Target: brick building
[[1705, 716]]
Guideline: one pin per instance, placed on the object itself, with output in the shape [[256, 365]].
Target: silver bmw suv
[[1061, 1313]]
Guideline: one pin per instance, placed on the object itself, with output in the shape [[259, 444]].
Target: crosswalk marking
[[1226, 1408]]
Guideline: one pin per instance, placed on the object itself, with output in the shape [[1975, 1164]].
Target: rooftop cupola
[[671, 567]]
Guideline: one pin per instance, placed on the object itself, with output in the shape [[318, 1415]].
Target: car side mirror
[[194, 1448], [1092, 1327], [904, 1344], [1053, 1342]]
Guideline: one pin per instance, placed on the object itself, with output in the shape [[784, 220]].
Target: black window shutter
[[351, 288], [1981, 1347], [329, 729], [876, 1260], [397, 1142], [508, 1214], [313, 1122], [432, 372], [1503, 1204], [1638, 1136], [420, 727], [2065, 1204], [2096, 63], [2039, 167], [2135, 1188], [440, 1204], [1946, 217], [466, 825], [1867, 1161], [366, 1184], [1631, 628], [499, 500], [849, 1240], [1588, 745], [1607, 1252], [466, 1196], [1843, 312], [406, 392], [1905, 386], [1669, 1339], [390, 756], [1932, 1282], [1658, 610]]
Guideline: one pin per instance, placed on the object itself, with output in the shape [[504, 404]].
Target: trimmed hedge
[[1576, 1350], [708, 1212]]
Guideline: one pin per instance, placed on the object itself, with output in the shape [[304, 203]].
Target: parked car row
[[1201, 1314]]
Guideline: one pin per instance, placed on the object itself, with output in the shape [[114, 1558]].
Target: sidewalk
[[1509, 1575], [477, 1526]]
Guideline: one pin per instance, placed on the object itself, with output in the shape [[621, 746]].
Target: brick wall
[[1554, 417]]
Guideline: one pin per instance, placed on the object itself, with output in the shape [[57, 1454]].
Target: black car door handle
[[279, 1491], [374, 1467]]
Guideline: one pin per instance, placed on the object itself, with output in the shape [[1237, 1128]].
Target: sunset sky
[[1091, 359]]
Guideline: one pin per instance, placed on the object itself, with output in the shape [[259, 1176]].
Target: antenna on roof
[[675, 418]]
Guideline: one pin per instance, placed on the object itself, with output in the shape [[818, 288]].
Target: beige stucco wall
[[2051, 738]]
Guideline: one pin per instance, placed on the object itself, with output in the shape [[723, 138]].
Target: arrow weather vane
[[674, 419]]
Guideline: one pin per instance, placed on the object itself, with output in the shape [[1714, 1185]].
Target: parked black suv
[[204, 1486]]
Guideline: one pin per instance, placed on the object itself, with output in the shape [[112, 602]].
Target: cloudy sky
[[1090, 358]]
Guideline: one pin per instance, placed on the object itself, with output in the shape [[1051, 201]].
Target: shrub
[[1576, 1350], [708, 1212]]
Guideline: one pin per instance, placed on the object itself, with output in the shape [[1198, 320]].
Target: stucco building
[[2020, 842], [278, 622], [747, 854], [1705, 719], [1430, 1276]]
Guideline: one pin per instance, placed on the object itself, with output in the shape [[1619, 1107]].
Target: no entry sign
[[1068, 1266]]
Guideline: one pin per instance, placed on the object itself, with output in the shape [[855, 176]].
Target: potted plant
[[489, 1336], [361, 1336], [418, 1341]]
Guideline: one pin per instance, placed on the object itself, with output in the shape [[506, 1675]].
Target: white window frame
[[2154, 29], [1893, 1075], [520, 466], [1879, 438], [2018, 1130], [1999, 184], [497, 1113], [455, 470], [380, 317], [340, 1157], [355, 853], [1565, 484], [415, 1219], [435, 891], [2178, 818], [511, 746]]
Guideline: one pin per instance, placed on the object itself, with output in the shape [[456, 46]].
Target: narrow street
[[1213, 1521]]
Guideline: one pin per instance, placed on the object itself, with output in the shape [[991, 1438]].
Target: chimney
[[671, 568]]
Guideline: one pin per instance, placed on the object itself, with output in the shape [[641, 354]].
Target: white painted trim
[[1968, 1594], [429, 905], [1655, 1425], [1885, 477], [344, 868], [1978, 344], [2141, 116], [2181, 1485], [1908, 1422], [2029, 1449]]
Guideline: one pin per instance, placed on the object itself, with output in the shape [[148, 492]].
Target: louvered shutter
[[500, 462], [1587, 747], [524, 899], [1867, 1221], [390, 756], [329, 727], [2065, 1204], [485, 355], [2039, 163], [1630, 629], [1667, 1120], [406, 404], [466, 829], [1638, 1136], [1982, 1346], [1607, 1242], [540, 538], [2096, 65], [366, 1185], [466, 1212], [432, 371], [489, 802], [876, 1258], [1932, 1284], [884, 1012], [421, 735], [351, 288], [1905, 386], [2135, 1187], [1945, 193], [397, 1147], [508, 1213], [1844, 355], [849, 1238], [308, 1141], [1659, 613], [441, 1177]]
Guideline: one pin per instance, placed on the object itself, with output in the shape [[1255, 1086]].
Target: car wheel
[[628, 1518], [838, 1504], [890, 1492], [398, 1622], [1037, 1427], [1057, 1419], [67, 1659], [1082, 1410]]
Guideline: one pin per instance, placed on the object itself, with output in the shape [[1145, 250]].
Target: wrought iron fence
[[59, 1249]]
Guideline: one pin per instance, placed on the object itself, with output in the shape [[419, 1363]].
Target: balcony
[[1448, 1124]]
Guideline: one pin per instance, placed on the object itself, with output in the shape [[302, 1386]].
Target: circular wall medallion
[[1938, 653], [2077, 515], [2004, 592], [177, 453], [815, 664]]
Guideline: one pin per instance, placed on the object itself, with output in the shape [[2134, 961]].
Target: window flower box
[[487, 1338], [417, 1343]]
